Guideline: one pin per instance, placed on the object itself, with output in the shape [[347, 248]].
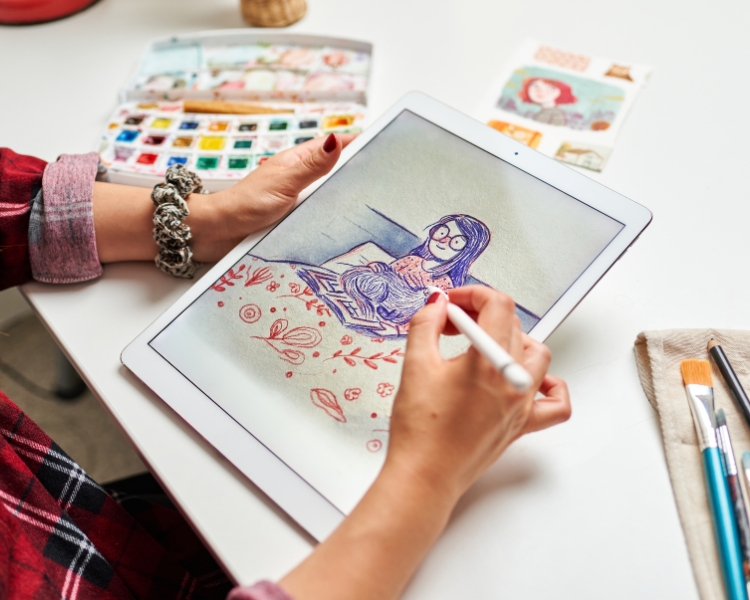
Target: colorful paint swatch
[[308, 124], [302, 140], [278, 125], [161, 123], [238, 162], [154, 140], [123, 154], [337, 121], [274, 143], [207, 162], [147, 158], [218, 126], [189, 125], [214, 142], [135, 119], [127, 135], [248, 127], [243, 144], [184, 141], [177, 160]]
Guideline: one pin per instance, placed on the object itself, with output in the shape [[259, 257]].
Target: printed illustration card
[[568, 106]]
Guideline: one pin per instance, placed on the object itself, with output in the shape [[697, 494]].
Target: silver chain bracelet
[[170, 233]]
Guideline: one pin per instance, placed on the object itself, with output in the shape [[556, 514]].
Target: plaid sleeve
[[63, 536], [263, 590], [20, 182], [62, 244]]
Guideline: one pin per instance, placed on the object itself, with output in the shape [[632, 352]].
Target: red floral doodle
[[374, 445], [385, 389], [370, 361], [346, 340], [273, 286], [378, 340], [310, 303], [326, 400], [260, 275], [228, 279], [352, 394], [250, 313], [298, 337]]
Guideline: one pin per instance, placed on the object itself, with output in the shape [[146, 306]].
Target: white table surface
[[581, 511]]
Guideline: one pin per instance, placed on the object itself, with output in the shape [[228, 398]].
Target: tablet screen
[[302, 340]]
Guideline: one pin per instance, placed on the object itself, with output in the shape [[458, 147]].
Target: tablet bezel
[[281, 483]]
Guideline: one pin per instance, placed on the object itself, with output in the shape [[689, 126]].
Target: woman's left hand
[[264, 196]]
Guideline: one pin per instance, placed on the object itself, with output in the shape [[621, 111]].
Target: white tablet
[[287, 354]]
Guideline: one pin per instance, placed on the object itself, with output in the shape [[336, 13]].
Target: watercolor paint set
[[222, 103]]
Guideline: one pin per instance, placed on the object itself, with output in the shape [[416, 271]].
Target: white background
[[582, 511]]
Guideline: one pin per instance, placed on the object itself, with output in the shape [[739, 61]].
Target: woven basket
[[273, 13]]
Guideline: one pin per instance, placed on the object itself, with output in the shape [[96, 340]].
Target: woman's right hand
[[453, 418]]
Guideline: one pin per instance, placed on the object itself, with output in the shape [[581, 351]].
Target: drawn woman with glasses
[[394, 292]]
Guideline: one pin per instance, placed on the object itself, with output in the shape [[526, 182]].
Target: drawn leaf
[[302, 337], [355, 352], [388, 359], [349, 361], [308, 291], [377, 355], [293, 356], [326, 400], [337, 353], [371, 364], [278, 327]]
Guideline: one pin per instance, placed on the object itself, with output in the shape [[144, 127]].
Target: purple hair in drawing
[[395, 292]]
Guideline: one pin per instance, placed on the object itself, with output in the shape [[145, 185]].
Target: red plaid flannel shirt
[[20, 181]]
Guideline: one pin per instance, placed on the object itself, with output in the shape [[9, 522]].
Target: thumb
[[315, 159], [426, 326]]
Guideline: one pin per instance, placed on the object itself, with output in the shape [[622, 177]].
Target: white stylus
[[518, 377]]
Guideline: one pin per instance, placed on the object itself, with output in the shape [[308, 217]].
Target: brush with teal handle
[[699, 387]]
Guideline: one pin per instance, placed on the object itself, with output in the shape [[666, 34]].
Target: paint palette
[[314, 86]]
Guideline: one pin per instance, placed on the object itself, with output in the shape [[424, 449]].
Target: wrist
[[212, 231]]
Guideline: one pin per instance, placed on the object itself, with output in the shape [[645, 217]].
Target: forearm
[[372, 555], [122, 221]]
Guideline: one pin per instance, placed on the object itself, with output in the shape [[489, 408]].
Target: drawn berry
[[260, 275], [352, 394], [326, 400], [374, 416], [288, 374], [273, 309], [250, 313], [322, 324], [316, 354], [346, 340], [220, 304], [273, 286], [385, 389], [374, 445]]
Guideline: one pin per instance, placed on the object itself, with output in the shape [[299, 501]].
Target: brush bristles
[[696, 371]]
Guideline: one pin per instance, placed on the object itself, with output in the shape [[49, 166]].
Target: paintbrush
[[730, 377], [696, 375], [735, 488], [231, 108]]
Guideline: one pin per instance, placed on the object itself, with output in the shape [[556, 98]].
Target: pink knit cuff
[[263, 590], [62, 245]]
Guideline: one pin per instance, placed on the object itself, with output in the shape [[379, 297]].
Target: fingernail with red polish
[[433, 297], [330, 143]]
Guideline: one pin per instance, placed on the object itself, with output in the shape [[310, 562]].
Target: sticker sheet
[[568, 106]]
